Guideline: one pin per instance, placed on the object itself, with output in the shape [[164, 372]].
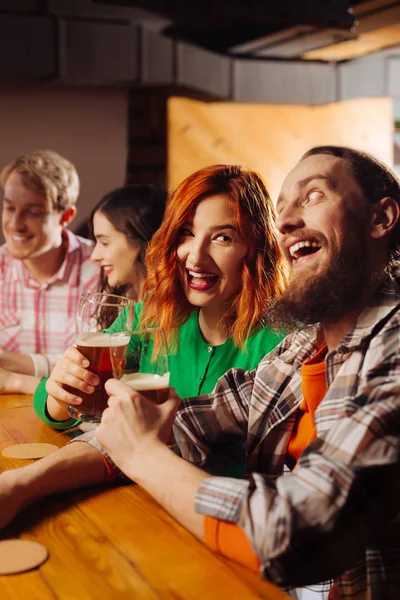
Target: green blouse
[[194, 368]]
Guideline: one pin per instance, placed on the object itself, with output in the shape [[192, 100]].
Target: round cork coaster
[[34, 450], [17, 556]]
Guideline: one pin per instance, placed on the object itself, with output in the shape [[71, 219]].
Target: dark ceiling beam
[[219, 39], [320, 13]]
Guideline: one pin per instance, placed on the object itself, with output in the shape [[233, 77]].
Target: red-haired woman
[[213, 268]]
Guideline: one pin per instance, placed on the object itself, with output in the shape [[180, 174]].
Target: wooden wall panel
[[271, 139], [147, 136], [86, 125]]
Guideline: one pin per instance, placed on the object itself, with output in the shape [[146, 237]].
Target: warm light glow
[[371, 41], [271, 138]]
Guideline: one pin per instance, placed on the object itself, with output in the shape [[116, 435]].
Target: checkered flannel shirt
[[39, 320], [334, 515]]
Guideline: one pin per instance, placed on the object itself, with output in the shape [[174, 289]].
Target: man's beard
[[329, 295]]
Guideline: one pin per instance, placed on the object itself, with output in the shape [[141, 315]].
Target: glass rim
[[87, 296], [137, 331]]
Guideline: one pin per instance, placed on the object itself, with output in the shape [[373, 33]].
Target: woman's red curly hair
[[263, 270]]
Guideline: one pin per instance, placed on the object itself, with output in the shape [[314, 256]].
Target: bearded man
[[318, 422]]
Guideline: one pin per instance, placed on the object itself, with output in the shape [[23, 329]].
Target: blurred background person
[[44, 267], [122, 225]]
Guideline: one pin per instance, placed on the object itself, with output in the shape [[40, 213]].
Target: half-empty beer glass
[[95, 309], [140, 359]]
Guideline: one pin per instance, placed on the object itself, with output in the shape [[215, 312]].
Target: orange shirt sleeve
[[110, 474], [230, 540], [227, 538]]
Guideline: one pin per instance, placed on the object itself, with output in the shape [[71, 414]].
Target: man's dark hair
[[375, 180]]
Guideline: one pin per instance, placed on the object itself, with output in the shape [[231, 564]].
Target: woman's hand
[[70, 370], [132, 426]]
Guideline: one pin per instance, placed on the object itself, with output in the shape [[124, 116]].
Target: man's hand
[[17, 383], [134, 431], [72, 467], [132, 427], [7, 381], [17, 362], [11, 498]]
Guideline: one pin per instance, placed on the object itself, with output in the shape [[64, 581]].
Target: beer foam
[[99, 339], [146, 381]]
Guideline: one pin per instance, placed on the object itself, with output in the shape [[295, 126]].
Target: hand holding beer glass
[[140, 360], [95, 346]]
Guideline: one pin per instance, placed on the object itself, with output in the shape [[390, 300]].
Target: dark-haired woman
[[122, 225]]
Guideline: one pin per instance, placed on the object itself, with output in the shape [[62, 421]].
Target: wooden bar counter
[[111, 542]]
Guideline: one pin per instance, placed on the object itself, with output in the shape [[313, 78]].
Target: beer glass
[[94, 310], [140, 359]]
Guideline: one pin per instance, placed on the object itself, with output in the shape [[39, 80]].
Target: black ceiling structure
[[224, 25]]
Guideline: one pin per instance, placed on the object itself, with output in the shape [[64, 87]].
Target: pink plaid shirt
[[39, 320]]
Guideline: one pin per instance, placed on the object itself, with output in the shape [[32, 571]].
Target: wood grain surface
[[271, 138], [111, 542]]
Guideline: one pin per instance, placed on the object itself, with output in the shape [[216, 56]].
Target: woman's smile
[[201, 280]]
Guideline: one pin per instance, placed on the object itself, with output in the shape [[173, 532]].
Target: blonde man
[[44, 268]]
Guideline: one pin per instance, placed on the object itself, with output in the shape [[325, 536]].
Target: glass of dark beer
[[140, 359], [94, 310]]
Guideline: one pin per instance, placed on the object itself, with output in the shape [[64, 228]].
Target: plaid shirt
[[335, 513], [39, 320]]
